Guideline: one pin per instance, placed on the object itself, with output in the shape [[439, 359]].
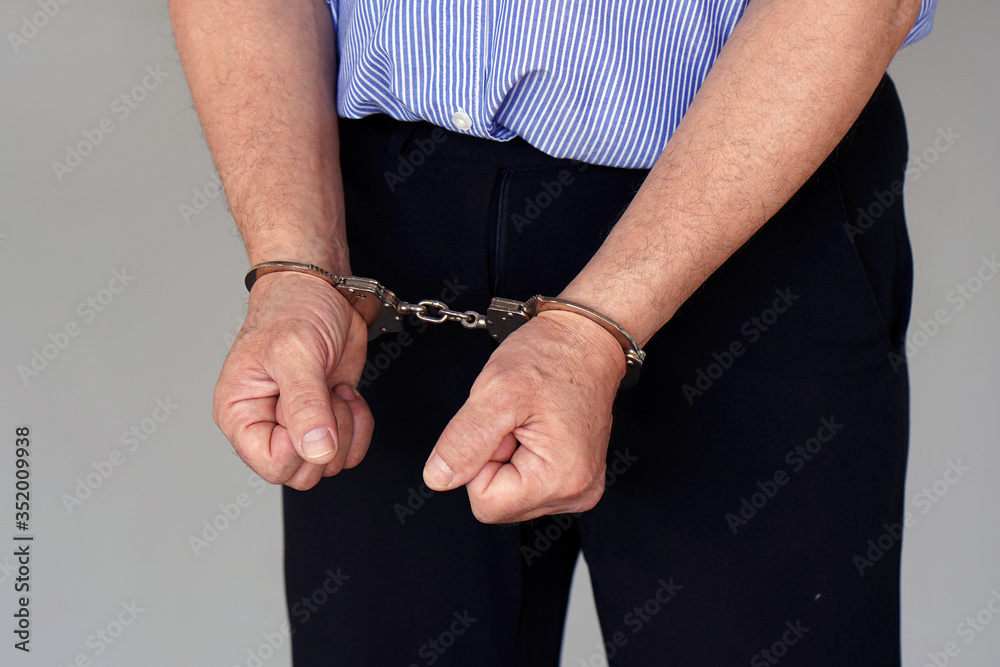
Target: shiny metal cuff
[[634, 356]]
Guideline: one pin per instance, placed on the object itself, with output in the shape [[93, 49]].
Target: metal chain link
[[437, 312], [383, 310]]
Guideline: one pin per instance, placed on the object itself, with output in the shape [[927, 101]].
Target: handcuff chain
[[382, 310], [437, 312]]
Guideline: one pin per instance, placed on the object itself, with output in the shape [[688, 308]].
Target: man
[[766, 441]]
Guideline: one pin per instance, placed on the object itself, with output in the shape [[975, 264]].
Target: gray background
[[164, 336]]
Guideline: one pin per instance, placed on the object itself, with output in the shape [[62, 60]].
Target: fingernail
[[437, 472], [318, 442], [346, 392]]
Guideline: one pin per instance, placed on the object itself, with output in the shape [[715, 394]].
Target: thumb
[[469, 442], [308, 414]]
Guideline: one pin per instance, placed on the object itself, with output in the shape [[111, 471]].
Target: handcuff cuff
[[383, 311]]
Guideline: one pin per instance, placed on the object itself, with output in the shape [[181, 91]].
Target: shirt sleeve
[[924, 23]]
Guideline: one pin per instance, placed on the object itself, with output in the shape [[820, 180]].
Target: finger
[[508, 445], [345, 425], [305, 405], [468, 443], [503, 454], [306, 477], [277, 460], [345, 433], [504, 491], [363, 425], [528, 487], [249, 424]]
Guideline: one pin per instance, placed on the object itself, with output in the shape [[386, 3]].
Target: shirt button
[[461, 120]]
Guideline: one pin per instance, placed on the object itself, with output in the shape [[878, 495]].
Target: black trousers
[[755, 473]]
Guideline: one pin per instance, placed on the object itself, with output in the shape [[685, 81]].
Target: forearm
[[786, 87], [262, 76]]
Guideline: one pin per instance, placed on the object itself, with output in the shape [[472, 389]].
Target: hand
[[286, 396], [533, 435]]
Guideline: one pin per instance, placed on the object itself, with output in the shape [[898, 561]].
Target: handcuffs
[[383, 311]]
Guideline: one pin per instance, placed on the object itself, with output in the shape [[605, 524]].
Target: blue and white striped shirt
[[605, 82]]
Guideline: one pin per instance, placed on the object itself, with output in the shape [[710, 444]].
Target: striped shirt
[[605, 81]]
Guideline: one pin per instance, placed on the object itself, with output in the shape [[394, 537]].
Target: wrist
[[612, 338], [593, 340], [265, 283], [629, 306], [330, 256]]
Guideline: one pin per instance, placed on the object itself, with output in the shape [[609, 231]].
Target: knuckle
[[220, 403], [300, 485], [582, 482], [345, 421], [273, 476], [483, 512], [332, 468], [365, 429], [586, 502], [575, 486], [227, 416]]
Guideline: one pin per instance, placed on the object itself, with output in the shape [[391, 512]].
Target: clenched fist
[[286, 396]]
